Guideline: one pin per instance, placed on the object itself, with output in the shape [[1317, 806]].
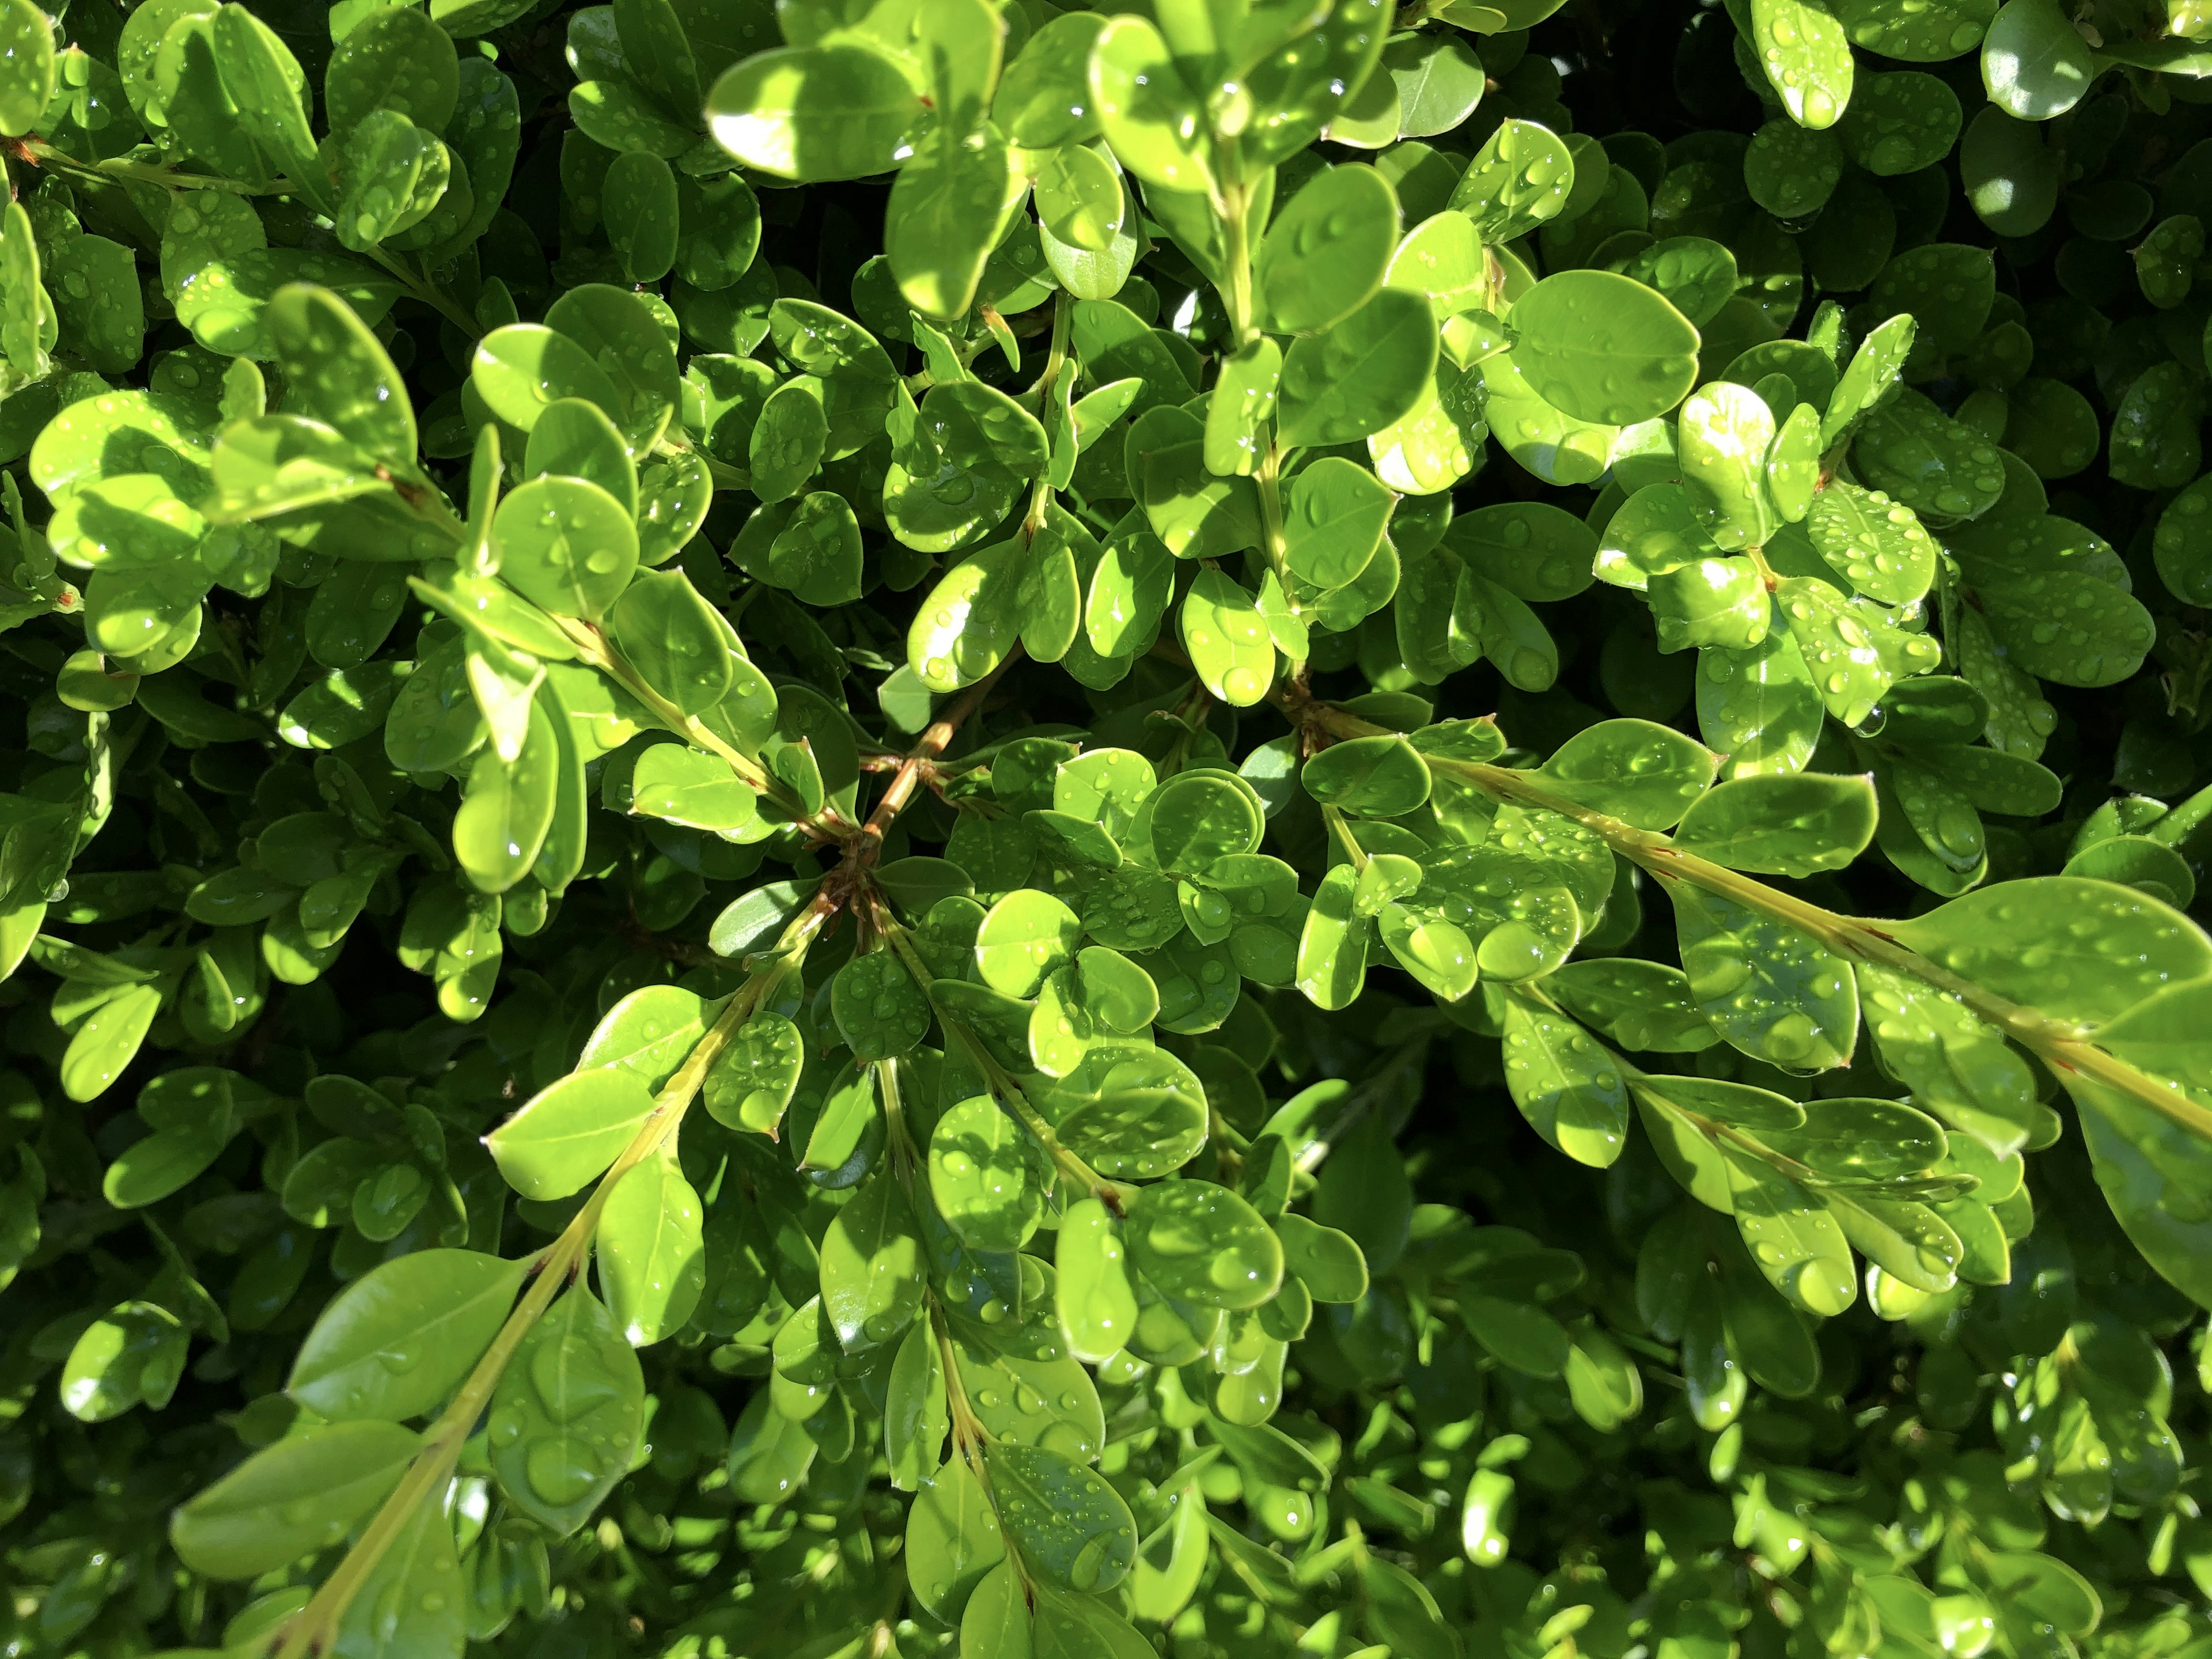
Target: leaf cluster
[[982, 828]]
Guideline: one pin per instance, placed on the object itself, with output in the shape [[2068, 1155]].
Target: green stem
[[1009, 1092], [725, 476], [428, 292], [2063, 1045], [1234, 204], [118, 168], [1407, 1058], [314, 1629], [1275, 542], [1056, 362], [1063, 319], [1711, 1128], [597, 649], [907, 1158], [1333, 816]]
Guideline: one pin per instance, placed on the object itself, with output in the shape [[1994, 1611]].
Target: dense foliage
[[963, 827]]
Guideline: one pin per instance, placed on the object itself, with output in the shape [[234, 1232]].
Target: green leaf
[[1245, 398], [2076, 949], [1095, 1302], [1803, 48], [1794, 1240], [753, 1078], [264, 79], [979, 1178], [566, 545], [567, 1134], [1863, 1139], [1906, 1240], [642, 215], [1324, 253], [873, 1280], [1025, 936], [395, 1342], [567, 1414], [2153, 1172], [520, 369], [1402, 1613], [1759, 705], [1539, 554], [414, 1602], [1197, 818], [948, 210], [1072, 1528], [1204, 1244], [1604, 348], [390, 174], [834, 111], [1721, 604], [1227, 639], [1439, 83], [1767, 988], [1641, 773], [1043, 97], [878, 1008], [650, 1032], [652, 1254], [655, 49], [27, 48], [1338, 513], [1129, 1112], [1376, 777], [395, 58], [2035, 64], [1334, 945], [1026, 1391], [95, 286], [674, 639], [1643, 1005], [1146, 109], [1359, 375], [1080, 198], [969, 623], [1518, 181], [132, 1354], [915, 1418], [816, 556], [1873, 541], [2103, 640], [340, 374], [1928, 461], [953, 1539], [1727, 433], [507, 808], [292, 1498], [1781, 824], [1570, 1091]]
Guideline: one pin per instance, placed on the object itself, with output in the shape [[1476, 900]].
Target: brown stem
[[928, 747]]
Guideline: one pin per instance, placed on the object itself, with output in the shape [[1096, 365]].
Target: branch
[[2062, 1044], [314, 1629], [928, 747]]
